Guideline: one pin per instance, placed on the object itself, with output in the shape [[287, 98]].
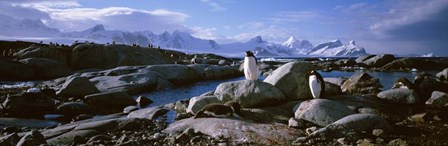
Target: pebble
[[398, 142], [378, 132], [310, 130], [342, 141]]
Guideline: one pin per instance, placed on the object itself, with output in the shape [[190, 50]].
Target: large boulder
[[110, 100], [400, 95], [197, 103], [176, 74], [70, 109], [337, 81], [34, 51], [418, 63], [332, 90], [361, 83], [85, 56], [28, 104], [363, 58], [379, 60], [322, 111], [239, 131], [46, 68], [249, 93], [443, 75], [77, 87], [11, 70], [438, 99], [292, 80]]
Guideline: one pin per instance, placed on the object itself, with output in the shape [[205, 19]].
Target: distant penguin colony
[[229, 109], [316, 83], [251, 71]]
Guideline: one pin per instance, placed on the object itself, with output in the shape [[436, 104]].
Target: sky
[[380, 26]]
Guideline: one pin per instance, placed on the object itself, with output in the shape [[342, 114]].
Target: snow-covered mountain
[[256, 44], [298, 47], [10, 26], [336, 48]]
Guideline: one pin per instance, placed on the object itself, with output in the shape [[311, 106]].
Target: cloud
[[294, 16], [216, 7], [252, 25]]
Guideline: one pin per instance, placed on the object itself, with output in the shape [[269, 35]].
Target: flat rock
[[238, 130], [322, 111], [148, 113], [77, 87], [292, 80], [176, 74], [215, 72], [110, 100], [249, 93], [22, 122], [198, 102], [399, 95]]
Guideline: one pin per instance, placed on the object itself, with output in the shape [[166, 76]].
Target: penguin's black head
[[312, 72], [235, 106], [249, 54]]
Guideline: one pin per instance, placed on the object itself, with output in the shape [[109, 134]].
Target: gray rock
[[77, 87], [438, 99], [71, 109], [68, 137], [292, 80], [361, 83], [356, 122], [223, 62], [409, 63], [110, 100], [34, 51], [176, 74], [379, 60], [28, 104], [85, 56], [213, 72], [398, 142], [345, 62], [9, 140], [443, 75], [296, 123], [148, 113], [322, 111], [32, 138], [198, 102], [399, 95], [238, 130], [249, 93], [363, 58], [143, 101], [332, 90], [130, 109], [337, 81], [46, 68], [357, 103], [31, 123]]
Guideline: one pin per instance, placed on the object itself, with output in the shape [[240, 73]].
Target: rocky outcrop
[[249, 93], [292, 80], [176, 74], [322, 111], [361, 83], [409, 63], [28, 105], [11, 70], [363, 58], [46, 68], [400, 95], [77, 87], [109, 100], [213, 72], [35, 51], [379, 60]]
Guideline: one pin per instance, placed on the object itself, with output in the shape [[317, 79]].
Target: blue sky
[[381, 26]]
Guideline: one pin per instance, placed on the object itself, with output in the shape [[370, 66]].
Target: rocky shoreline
[[87, 98]]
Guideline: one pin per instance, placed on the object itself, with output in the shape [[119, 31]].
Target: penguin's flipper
[[241, 68]]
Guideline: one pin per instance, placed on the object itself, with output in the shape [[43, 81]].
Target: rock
[[322, 111], [379, 60], [198, 102], [213, 72], [67, 138], [238, 130], [292, 80], [9, 140], [409, 63], [249, 93], [398, 142], [332, 90], [148, 113], [363, 58], [130, 109], [77, 87], [296, 123], [71, 109], [28, 105], [32, 138], [443, 75], [46, 68], [129, 79], [346, 62], [399, 95], [176, 74], [438, 99], [337, 81], [143, 101], [86, 56], [30, 123], [425, 85], [378, 132], [109, 100], [420, 118], [356, 122], [361, 83], [223, 62], [100, 137], [15, 71], [34, 51]]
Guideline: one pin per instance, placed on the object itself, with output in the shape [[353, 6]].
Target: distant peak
[[352, 42], [256, 39], [292, 39], [336, 41], [97, 28]]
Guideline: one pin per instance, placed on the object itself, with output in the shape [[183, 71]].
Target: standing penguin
[[317, 84], [251, 71]]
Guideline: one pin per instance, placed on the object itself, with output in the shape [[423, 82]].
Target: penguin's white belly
[[314, 86], [250, 68]]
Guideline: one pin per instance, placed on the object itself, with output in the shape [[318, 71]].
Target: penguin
[[403, 83], [317, 84], [229, 109], [250, 65]]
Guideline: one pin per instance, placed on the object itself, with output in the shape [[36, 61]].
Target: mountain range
[[178, 40]]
